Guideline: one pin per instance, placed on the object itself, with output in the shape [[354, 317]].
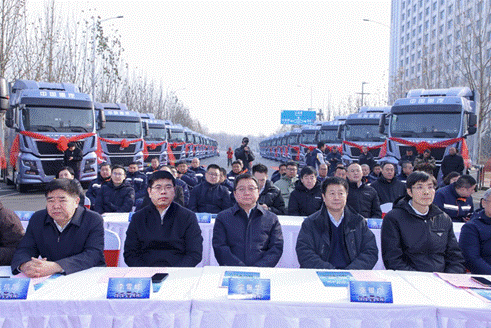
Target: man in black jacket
[[11, 232], [117, 195], [362, 199], [185, 174], [416, 235], [163, 234], [68, 237], [387, 186], [95, 185], [245, 154], [138, 181], [72, 157], [269, 195], [246, 234], [366, 157], [452, 162], [209, 196], [334, 237], [307, 196]]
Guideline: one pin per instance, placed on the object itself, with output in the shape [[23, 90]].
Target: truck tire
[[21, 187]]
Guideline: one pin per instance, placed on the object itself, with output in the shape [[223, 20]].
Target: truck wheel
[[21, 187]]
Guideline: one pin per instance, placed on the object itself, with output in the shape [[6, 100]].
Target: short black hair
[[465, 181], [160, 175], [71, 144], [242, 177], [405, 163], [213, 166], [133, 163], [427, 151], [104, 164], [333, 181], [182, 161], [259, 168], [450, 176], [68, 168], [307, 170], [223, 171], [155, 157], [72, 187], [237, 162], [292, 163], [386, 163], [245, 140], [282, 164], [340, 168], [320, 144], [376, 164], [419, 176], [118, 166]]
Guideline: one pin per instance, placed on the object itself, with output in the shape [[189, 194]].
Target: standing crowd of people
[[417, 229]]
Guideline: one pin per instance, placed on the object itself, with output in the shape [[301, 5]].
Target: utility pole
[[362, 93]]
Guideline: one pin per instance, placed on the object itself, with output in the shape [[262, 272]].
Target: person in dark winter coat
[[475, 239], [278, 173], [11, 232], [375, 174], [185, 174], [209, 196], [366, 157], [409, 156], [418, 236], [334, 237], [316, 158], [95, 185], [452, 162], [387, 186], [117, 195], [197, 169], [154, 166], [456, 198], [236, 171], [307, 196], [333, 159], [407, 169], [72, 157], [245, 154], [224, 181], [67, 237], [163, 234], [246, 234], [362, 199], [137, 180], [180, 190], [269, 196]]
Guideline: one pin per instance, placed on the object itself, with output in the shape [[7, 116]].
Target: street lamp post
[[372, 21], [362, 93], [94, 33]]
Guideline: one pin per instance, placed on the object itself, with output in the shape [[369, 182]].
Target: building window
[[402, 28], [433, 20], [442, 14], [402, 39], [433, 34], [402, 52], [426, 37], [479, 7], [419, 67], [420, 29], [478, 24], [440, 43], [434, 6], [412, 58], [427, 24], [419, 42], [449, 39], [419, 54], [489, 36], [432, 47], [450, 24], [442, 29], [403, 16], [420, 16], [414, 33], [402, 63], [413, 45], [427, 11]]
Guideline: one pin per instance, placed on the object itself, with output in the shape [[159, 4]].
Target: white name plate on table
[[370, 291], [14, 288], [249, 289], [129, 288], [334, 278], [237, 274]]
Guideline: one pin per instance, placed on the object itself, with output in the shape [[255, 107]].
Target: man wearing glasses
[[210, 196], [417, 235], [163, 234], [246, 234]]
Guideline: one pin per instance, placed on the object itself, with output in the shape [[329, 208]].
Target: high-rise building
[[438, 44]]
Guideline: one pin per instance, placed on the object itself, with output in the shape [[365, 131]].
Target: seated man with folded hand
[[63, 238]]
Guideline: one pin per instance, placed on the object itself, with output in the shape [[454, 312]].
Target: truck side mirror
[[381, 124], [472, 124], [4, 95], [9, 118], [101, 120], [340, 131], [146, 128]]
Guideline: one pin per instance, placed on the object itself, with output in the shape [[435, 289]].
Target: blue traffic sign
[[298, 117]]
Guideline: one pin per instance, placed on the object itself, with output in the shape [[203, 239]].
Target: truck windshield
[[156, 133], [307, 138], [45, 119], [176, 136], [427, 125], [328, 136], [363, 132], [121, 129]]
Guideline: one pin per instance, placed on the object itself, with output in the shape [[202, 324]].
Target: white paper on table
[[460, 280]]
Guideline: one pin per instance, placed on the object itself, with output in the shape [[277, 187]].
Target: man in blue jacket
[[103, 177], [246, 234], [185, 174], [334, 237], [138, 181], [456, 198], [117, 195], [68, 237], [163, 234], [210, 196]]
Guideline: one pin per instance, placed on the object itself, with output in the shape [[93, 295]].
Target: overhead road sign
[[298, 117]]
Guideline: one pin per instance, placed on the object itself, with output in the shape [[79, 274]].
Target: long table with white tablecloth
[[191, 297]]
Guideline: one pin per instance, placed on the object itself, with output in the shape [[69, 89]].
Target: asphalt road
[[34, 200]]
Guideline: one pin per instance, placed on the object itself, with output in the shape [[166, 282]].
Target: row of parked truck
[[433, 119], [43, 117]]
